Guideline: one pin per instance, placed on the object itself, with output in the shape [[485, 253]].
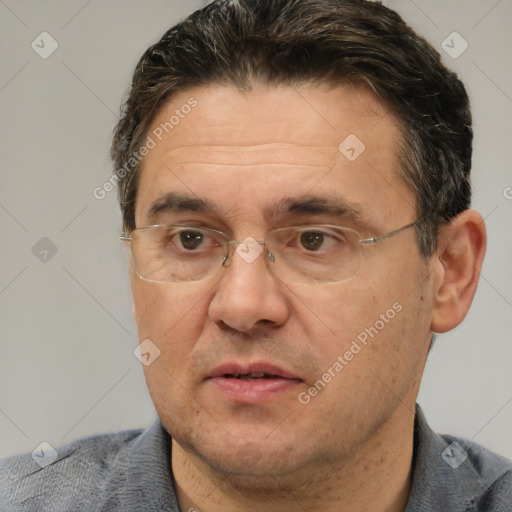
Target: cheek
[[172, 317], [382, 323], [161, 309], [334, 315]]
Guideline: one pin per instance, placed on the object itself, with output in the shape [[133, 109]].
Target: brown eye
[[191, 240], [312, 240]]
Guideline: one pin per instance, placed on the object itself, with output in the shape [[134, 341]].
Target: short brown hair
[[314, 42]]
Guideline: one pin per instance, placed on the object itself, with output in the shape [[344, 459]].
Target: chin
[[246, 456]]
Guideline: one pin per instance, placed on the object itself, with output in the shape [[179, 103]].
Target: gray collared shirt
[[130, 471]]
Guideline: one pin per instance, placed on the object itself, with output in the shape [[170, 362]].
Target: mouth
[[252, 383], [252, 371], [251, 376]]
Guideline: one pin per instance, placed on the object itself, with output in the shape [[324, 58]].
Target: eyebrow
[[331, 205], [174, 202]]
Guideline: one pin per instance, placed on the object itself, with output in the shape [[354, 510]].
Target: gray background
[[67, 367]]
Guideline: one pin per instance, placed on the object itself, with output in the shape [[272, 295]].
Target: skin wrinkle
[[171, 207], [285, 153], [369, 225]]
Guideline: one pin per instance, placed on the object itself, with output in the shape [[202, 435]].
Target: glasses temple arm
[[390, 234]]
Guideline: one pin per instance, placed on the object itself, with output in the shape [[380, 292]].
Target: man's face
[[262, 160]]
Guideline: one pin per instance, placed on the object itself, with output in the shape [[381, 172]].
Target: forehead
[[273, 141], [305, 115]]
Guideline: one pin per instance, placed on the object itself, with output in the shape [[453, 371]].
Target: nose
[[248, 294]]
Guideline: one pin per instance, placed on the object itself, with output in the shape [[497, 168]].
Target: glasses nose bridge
[[230, 246]]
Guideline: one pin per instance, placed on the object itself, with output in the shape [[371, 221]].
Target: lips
[[252, 383], [259, 370], [252, 375]]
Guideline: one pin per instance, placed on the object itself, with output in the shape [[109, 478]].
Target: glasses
[[320, 254]]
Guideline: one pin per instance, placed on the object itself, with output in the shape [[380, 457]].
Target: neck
[[375, 477]]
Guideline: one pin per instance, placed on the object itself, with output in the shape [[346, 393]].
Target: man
[[294, 183]]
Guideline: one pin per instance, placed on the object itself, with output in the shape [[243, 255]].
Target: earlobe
[[460, 256]]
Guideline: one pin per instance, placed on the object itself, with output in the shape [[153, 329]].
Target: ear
[[459, 260]]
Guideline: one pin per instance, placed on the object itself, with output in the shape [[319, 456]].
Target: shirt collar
[[437, 484], [150, 479]]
